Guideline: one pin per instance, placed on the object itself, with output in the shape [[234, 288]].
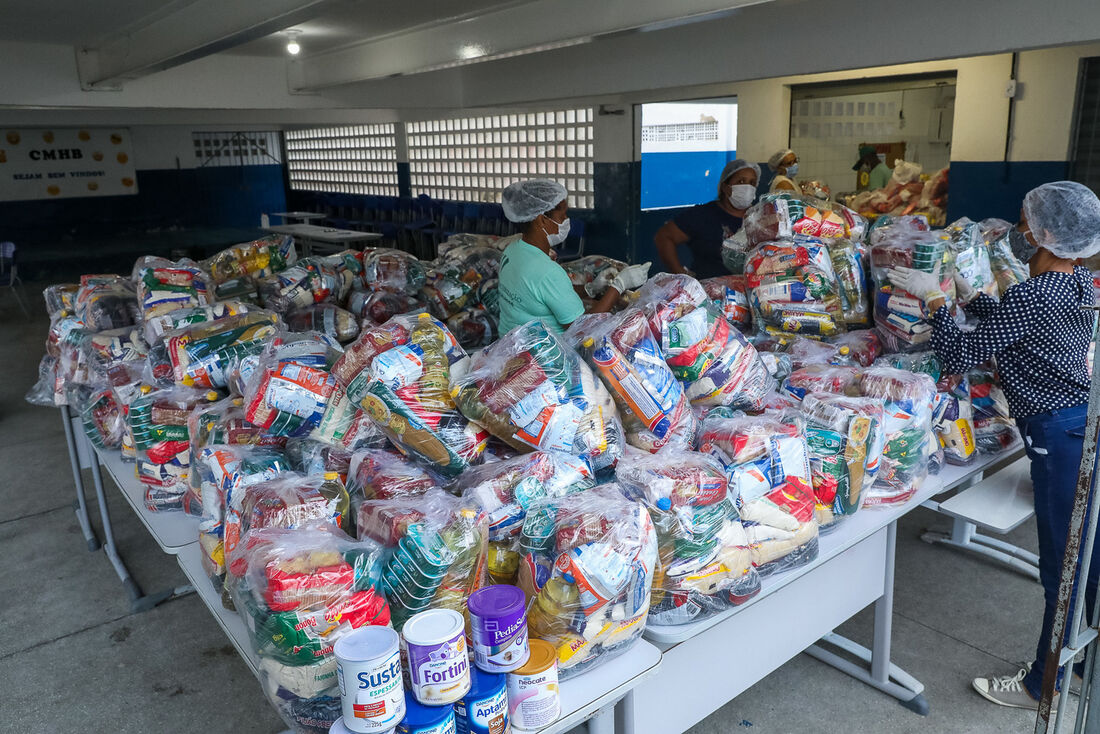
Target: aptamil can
[[421, 719], [484, 710], [498, 621], [434, 645], [368, 668], [534, 700]]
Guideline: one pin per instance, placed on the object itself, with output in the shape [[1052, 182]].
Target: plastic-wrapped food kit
[[1007, 268], [828, 378], [488, 295], [622, 352], [393, 270], [730, 294], [849, 265], [437, 550], [862, 346], [327, 318], [202, 354], [507, 489], [301, 591], [781, 216], [953, 422], [156, 327], [470, 263], [106, 302], [311, 280], [593, 273], [163, 286], [794, 289], [967, 246], [445, 294], [717, 365], [994, 430], [902, 318], [474, 328], [378, 307], [288, 388], [705, 559], [60, 299], [251, 260], [767, 462], [533, 392], [382, 474], [845, 437], [588, 563], [907, 404]]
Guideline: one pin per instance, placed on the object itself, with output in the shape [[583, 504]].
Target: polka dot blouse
[[1039, 334]]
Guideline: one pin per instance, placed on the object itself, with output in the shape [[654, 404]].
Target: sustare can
[[498, 621], [434, 644], [368, 668], [421, 719], [484, 710], [534, 700]]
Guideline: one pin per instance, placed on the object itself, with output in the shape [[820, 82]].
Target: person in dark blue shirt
[[704, 227], [1039, 334]]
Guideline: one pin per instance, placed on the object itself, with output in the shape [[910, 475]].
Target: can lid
[[419, 715], [543, 657], [330, 475], [496, 601], [434, 627], [367, 643]]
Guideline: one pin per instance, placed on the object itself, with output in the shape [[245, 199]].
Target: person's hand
[[631, 277], [964, 290], [924, 286]]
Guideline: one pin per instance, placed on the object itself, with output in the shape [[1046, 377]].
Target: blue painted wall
[[683, 178], [996, 189]]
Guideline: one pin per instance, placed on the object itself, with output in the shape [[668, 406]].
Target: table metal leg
[[964, 535], [883, 674], [81, 503], [139, 600], [603, 721]]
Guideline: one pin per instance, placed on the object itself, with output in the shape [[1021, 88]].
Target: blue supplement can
[[484, 710], [421, 719]]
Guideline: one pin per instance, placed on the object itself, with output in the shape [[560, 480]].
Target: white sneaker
[[1008, 690]]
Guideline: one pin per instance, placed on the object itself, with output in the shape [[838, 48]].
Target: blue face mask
[[792, 170], [1021, 246]]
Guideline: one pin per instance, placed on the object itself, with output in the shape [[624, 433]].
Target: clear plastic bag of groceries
[[470, 263], [378, 307], [252, 260], [705, 556], [445, 294], [437, 546], [104, 405], [767, 462], [716, 363], [622, 352], [782, 216], [202, 354], [803, 351], [156, 327], [42, 392], [907, 400], [730, 293], [111, 356], [393, 270], [533, 392], [106, 302], [862, 346], [925, 363], [383, 474], [850, 268], [158, 421], [1007, 268], [794, 289], [966, 244], [327, 318], [219, 472], [310, 456], [288, 387], [953, 421], [593, 273], [507, 489], [163, 285], [488, 295], [474, 327], [902, 319], [60, 299], [890, 227], [994, 429], [734, 250], [822, 377], [311, 280], [587, 565], [301, 591], [845, 436]]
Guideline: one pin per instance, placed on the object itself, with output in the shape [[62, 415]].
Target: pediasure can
[[534, 700], [498, 621], [484, 710], [421, 719], [368, 668], [434, 646]]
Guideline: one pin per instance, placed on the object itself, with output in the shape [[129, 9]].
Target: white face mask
[[792, 170], [558, 237], [742, 196]]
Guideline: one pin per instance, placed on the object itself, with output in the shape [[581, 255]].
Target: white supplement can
[[534, 700], [368, 668], [434, 645]]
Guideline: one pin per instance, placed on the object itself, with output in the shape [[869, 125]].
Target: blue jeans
[[1054, 443]]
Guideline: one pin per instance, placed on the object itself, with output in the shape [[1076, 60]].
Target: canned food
[[534, 700], [434, 643]]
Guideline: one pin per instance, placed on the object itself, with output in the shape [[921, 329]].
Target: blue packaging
[[484, 710], [421, 719]]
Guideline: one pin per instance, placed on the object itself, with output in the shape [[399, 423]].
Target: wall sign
[[45, 163]]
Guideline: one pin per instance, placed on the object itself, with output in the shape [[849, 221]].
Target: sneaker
[[1007, 690]]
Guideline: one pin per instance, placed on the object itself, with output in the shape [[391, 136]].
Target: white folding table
[[330, 239], [289, 217]]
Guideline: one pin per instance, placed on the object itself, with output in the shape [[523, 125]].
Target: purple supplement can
[[498, 620], [434, 645]]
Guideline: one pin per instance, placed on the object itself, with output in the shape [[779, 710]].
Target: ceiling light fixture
[[292, 46]]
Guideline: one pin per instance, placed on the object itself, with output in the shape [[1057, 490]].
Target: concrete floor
[[72, 658]]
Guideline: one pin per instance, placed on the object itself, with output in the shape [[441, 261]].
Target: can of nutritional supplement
[[421, 719], [498, 621], [434, 645], [368, 668], [534, 700], [484, 710]]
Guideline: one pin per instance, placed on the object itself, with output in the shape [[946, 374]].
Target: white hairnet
[[525, 200], [1064, 217], [777, 157], [733, 167]]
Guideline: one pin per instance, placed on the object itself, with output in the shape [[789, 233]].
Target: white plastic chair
[[9, 274]]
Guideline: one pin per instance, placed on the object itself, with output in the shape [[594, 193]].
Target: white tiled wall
[[826, 132]]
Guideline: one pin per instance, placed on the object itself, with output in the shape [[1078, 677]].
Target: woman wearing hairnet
[[784, 164], [531, 285], [704, 227], [1039, 332]]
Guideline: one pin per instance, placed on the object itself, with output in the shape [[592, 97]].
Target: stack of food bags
[[907, 422], [902, 319], [794, 289]]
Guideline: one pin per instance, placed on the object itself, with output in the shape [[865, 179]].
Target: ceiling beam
[[182, 31], [507, 31]]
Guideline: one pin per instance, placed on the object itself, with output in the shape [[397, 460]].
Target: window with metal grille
[[354, 159], [680, 132], [1085, 161], [473, 158], [237, 148]]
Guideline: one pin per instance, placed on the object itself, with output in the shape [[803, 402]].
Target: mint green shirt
[[532, 286], [879, 177]]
